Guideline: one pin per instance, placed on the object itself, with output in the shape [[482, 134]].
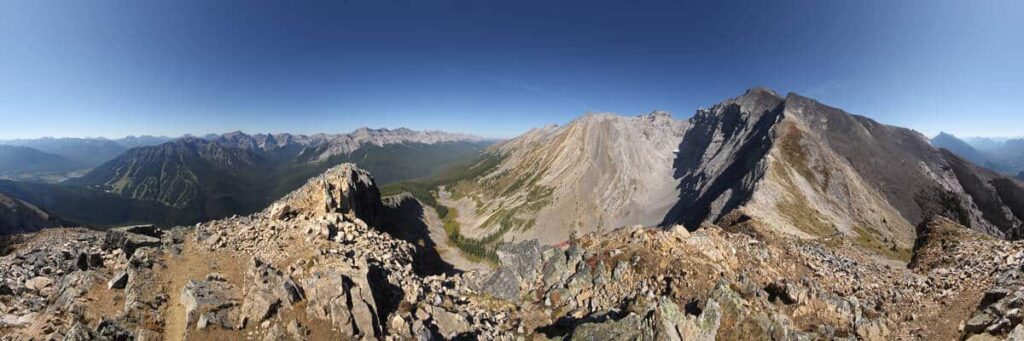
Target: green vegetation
[[196, 181], [870, 241], [476, 250], [460, 180], [97, 209], [426, 191]]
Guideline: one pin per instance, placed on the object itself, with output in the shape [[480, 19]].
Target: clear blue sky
[[495, 68]]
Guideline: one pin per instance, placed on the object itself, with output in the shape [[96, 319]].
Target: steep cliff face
[[721, 157]]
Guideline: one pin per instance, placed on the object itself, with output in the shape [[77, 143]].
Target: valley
[[511, 170], [760, 216], [798, 165]]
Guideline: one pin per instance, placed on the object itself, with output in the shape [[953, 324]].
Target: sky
[[495, 68]]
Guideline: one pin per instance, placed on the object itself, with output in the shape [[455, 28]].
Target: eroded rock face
[[268, 291], [341, 189]]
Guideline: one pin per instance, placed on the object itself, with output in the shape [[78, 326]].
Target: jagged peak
[[754, 100], [344, 188], [656, 114]]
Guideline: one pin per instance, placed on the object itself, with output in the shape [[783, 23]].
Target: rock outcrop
[[343, 189]]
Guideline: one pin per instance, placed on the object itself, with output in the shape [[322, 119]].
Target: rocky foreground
[[313, 266]]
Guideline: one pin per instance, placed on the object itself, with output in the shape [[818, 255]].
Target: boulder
[[212, 298], [119, 281], [502, 283], [448, 324], [345, 299], [79, 332], [134, 241], [555, 270], [38, 283], [629, 328], [268, 291], [524, 257], [327, 300], [679, 231], [620, 269], [280, 211]]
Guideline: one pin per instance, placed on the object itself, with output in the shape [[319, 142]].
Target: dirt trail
[[193, 263], [177, 275]]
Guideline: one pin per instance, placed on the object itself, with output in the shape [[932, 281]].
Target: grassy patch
[[476, 250], [459, 176], [871, 242]]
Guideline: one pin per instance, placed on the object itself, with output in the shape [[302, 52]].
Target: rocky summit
[[315, 266]]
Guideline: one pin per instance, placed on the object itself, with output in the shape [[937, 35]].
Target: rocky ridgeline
[[310, 267]]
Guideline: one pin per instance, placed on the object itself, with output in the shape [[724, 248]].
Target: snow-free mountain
[[192, 179], [788, 162]]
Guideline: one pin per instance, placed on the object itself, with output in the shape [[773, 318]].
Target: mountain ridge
[[16, 159], [798, 165], [236, 173]]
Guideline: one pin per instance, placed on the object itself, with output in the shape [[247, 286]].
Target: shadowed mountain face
[[81, 206], [17, 216], [720, 157], [404, 219]]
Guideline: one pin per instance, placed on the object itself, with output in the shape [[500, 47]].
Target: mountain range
[[1002, 155], [761, 217], [88, 152], [16, 160], [191, 179], [789, 162]]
